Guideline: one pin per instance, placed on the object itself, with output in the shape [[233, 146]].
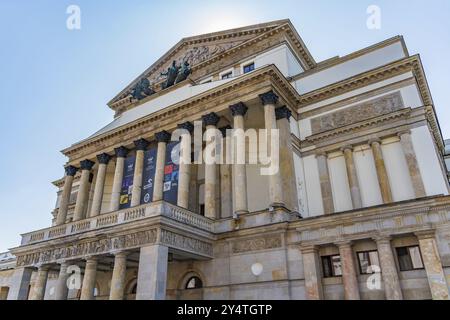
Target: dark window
[[367, 259], [194, 283], [202, 209], [227, 75], [409, 258], [331, 266], [249, 67]]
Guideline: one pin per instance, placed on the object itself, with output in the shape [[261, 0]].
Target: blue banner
[[171, 171], [127, 182], [148, 175]]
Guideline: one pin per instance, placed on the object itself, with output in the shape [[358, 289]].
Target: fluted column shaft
[[162, 137], [383, 179], [141, 145], [90, 274], [210, 121], [355, 191], [226, 189], [65, 196], [325, 183], [433, 265], [61, 289], [313, 277], [413, 166], [118, 277], [240, 173], [349, 274], [184, 175], [388, 267], [269, 101], [38, 289], [121, 153], [99, 184], [83, 191]]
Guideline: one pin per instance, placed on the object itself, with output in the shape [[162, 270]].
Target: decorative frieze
[[256, 244], [179, 241], [360, 112]]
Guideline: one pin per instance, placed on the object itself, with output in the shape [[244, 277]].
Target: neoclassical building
[[359, 208]]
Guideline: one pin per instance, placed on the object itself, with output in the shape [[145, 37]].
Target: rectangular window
[[409, 258], [227, 75], [331, 266], [367, 259], [249, 67]]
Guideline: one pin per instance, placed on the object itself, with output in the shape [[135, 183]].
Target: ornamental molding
[[412, 63], [267, 77], [110, 244], [257, 244]]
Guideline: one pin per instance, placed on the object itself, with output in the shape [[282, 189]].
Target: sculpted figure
[[184, 72], [171, 75], [142, 89]]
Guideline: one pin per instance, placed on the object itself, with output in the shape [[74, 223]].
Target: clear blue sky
[[55, 83]]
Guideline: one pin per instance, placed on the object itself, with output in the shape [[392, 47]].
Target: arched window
[[194, 283]]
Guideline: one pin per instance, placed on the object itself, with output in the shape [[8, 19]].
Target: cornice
[[367, 78], [270, 73]]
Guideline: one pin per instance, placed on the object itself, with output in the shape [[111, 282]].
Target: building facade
[[359, 208]]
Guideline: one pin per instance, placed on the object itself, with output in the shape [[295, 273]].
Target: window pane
[[404, 259], [249, 67], [374, 261], [363, 261], [326, 263], [416, 258], [336, 261]]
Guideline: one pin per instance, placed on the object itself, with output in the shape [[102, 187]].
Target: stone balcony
[[119, 218]]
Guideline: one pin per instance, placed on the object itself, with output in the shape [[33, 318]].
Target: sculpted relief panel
[[107, 245], [360, 112], [255, 244]]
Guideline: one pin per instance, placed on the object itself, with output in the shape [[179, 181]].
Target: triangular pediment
[[198, 49]]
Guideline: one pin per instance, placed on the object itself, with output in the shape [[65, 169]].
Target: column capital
[[347, 147], [223, 130], [186, 126], [343, 243], [425, 234], [268, 98], [210, 119], [374, 140], [321, 154], [163, 136], [238, 109], [141, 144], [403, 132], [103, 158], [309, 248], [121, 253], [86, 164], [381, 238], [70, 170], [283, 113], [91, 259], [121, 152]]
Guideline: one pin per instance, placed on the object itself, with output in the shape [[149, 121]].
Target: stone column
[[141, 145], [433, 265], [152, 274], [162, 137], [311, 269], [90, 274], [325, 183], [383, 179], [38, 289], [121, 153], [61, 289], [193, 189], [349, 275], [118, 276], [226, 189], [83, 190], [20, 284], [238, 112], [269, 101], [184, 175], [388, 267], [355, 191], [65, 196], [287, 168], [413, 166], [210, 121], [103, 160]]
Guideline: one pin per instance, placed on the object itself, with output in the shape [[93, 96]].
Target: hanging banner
[[127, 182], [148, 175], [171, 170]]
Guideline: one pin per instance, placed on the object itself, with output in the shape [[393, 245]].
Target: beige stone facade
[[359, 208]]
